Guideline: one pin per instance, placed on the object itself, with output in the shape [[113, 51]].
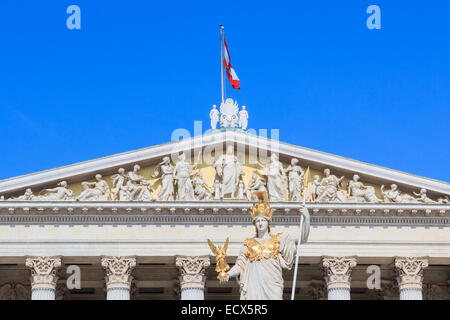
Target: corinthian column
[[192, 276], [337, 273], [43, 276], [118, 276], [410, 276]]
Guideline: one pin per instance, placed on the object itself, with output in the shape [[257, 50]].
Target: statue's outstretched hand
[[225, 279]]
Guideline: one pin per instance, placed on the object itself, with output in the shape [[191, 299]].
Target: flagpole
[[221, 59], [300, 231]]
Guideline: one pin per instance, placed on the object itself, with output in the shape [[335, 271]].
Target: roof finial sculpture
[[230, 116]]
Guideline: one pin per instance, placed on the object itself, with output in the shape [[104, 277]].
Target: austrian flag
[[232, 76]]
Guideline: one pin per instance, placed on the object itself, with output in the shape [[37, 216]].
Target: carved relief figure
[[165, 169], [201, 189], [56, 194], [27, 196], [422, 196], [276, 179], [358, 192], [240, 192], [314, 188], [328, 190], [217, 190], [444, 199], [138, 188], [182, 174], [118, 180], [395, 195], [95, 191], [229, 114], [243, 118], [262, 258], [255, 184], [228, 170], [295, 176], [214, 116]]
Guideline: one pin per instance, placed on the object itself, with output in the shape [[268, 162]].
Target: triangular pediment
[[248, 148]]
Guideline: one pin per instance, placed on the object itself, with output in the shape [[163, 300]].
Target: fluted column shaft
[[118, 276], [43, 276], [410, 276], [192, 276], [337, 273]]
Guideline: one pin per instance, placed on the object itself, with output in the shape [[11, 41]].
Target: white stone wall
[[167, 240]]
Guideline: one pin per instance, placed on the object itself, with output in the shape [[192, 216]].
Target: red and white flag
[[232, 76]]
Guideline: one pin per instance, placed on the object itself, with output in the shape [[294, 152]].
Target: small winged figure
[[221, 266]]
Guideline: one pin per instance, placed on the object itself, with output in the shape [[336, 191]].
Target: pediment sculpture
[[183, 181]]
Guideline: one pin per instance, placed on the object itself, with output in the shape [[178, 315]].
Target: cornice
[[199, 212]]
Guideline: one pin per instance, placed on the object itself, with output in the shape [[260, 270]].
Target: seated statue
[[256, 184], [95, 191], [358, 192], [395, 195], [328, 190], [201, 189], [138, 188]]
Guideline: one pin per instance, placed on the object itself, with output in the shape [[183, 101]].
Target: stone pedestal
[[118, 276], [337, 273], [43, 276], [410, 276], [192, 276]]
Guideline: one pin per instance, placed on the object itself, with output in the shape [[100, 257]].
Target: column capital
[[192, 270], [43, 271], [337, 271], [410, 271], [118, 271]]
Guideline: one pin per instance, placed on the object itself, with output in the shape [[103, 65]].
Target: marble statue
[[255, 184], [138, 188], [165, 170], [422, 196], [295, 177], [240, 190], [229, 114], [358, 192], [262, 258], [27, 196], [201, 188], [58, 193], [182, 174], [314, 188], [444, 199], [118, 181], [243, 118], [214, 116], [95, 191], [276, 179], [228, 170], [217, 190], [395, 195], [328, 190]]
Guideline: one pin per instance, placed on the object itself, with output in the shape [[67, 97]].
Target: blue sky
[[137, 70]]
